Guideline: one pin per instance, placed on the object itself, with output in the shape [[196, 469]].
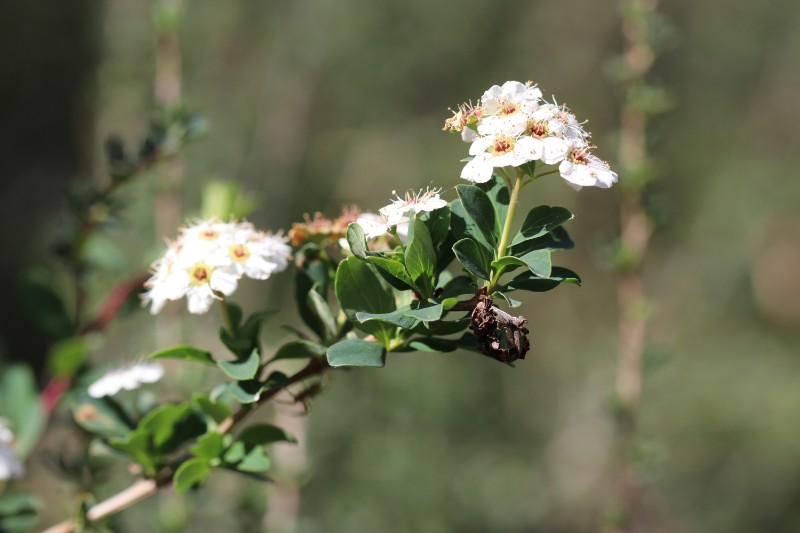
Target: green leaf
[[20, 404], [528, 281], [241, 369], [322, 310], [510, 301], [256, 460], [472, 257], [557, 239], [442, 327], [566, 275], [299, 349], [263, 434], [459, 286], [277, 380], [209, 446], [248, 453], [216, 411], [438, 223], [425, 311], [18, 512], [235, 314], [357, 240], [360, 288], [313, 275], [507, 263], [497, 190], [240, 346], [246, 336], [397, 317], [432, 344], [420, 257], [235, 453], [394, 268], [243, 392], [463, 226], [356, 352], [171, 425], [541, 220], [539, 262], [102, 416], [46, 308], [68, 356], [136, 446], [478, 207], [186, 353], [191, 474]]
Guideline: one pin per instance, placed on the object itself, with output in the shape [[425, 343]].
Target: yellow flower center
[[579, 157], [209, 234], [502, 145], [200, 274], [537, 129], [508, 108], [239, 253]]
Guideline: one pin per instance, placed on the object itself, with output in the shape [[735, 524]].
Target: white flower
[[6, 435], [10, 466], [373, 225], [271, 248], [201, 282], [581, 169], [129, 377], [208, 233], [510, 99], [506, 109], [499, 150], [513, 126], [399, 210], [398, 213], [208, 260], [162, 285]]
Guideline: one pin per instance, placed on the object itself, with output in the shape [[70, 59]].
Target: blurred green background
[[316, 103]]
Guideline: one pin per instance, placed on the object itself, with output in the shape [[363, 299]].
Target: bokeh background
[[316, 103]]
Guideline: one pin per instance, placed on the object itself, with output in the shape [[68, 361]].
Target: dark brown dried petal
[[500, 335]]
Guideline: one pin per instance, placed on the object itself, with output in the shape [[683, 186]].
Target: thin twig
[[142, 489], [636, 228]]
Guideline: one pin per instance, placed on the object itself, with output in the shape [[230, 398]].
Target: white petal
[[258, 268], [468, 135], [148, 372], [372, 228], [10, 466], [224, 281], [479, 170], [105, 386], [577, 174], [480, 145], [513, 89], [528, 148], [555, 150], [199, 300]]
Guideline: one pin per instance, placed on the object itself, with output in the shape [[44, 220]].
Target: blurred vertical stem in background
[[640, 99], [167, 18]]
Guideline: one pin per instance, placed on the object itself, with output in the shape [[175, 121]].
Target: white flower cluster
[[208, 260], [513, 125], [10, 466], [129, 377], [398, 213]]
